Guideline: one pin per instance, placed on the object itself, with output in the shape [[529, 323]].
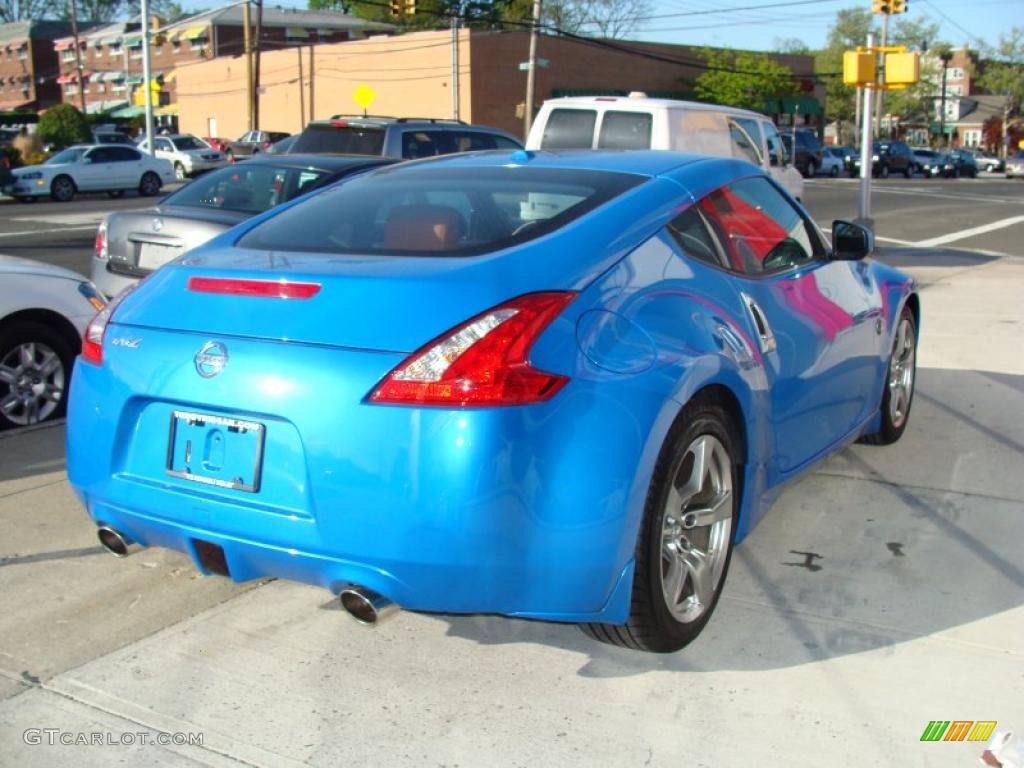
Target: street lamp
[[945, 56]]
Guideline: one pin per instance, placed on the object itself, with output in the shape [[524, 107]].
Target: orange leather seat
[[423, 228]]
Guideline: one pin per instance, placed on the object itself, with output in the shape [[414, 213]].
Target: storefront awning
[[134, 79], [792, 105], [63, 43], [104, 106], [171, 76], [134, 42], [194, 33], [128, 112], [108, 76]]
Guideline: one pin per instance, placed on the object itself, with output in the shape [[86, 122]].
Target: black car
[[252, 143], [400, 137], [953, 165], [807, 155], [886, 157]]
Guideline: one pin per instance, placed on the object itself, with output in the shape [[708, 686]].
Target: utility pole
[[880, 94], [312, 90], [78, 57], [247, 48], [455, 61], [866, 153], [256, 74], [146, 75], [531, 73], [302, 92], [945, 56]]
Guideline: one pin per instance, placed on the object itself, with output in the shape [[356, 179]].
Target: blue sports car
[[551, 385]]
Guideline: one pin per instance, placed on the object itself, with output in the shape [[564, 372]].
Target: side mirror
[[774, 160], [851, 242]]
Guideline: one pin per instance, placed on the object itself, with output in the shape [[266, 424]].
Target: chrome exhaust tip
[[366, 606], [115, 542]]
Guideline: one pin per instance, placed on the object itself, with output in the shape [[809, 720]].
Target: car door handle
[[765, 337]]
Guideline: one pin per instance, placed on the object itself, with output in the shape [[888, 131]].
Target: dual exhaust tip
[[362, 604]]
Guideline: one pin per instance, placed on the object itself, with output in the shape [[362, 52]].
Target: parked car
[[986, 161], [886, 157], [252, 143], [43, 313], [112, 137], [131, 244], [392, 387], [284, 146], [1015, 165], [187, 154], [954, 164], [110, 168], [401, 137], [833, 161], [808, 155], [924, 159], [639, 122]]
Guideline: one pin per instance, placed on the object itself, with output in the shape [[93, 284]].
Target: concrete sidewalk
[[884, 591]]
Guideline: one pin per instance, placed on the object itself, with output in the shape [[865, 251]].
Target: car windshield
[[184, 143], [252, 188], [458, 212], [65, 156]]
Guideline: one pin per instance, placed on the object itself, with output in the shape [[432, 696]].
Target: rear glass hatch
[[341, 137]]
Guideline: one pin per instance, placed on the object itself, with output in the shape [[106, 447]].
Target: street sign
[[524, 66]]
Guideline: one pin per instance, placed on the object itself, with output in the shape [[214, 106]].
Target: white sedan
[[43, 313], [110, 168], [186, 153]]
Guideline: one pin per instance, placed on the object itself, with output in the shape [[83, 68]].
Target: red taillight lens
[[270, 289], [92, 342], [484, 361], [100, 246]]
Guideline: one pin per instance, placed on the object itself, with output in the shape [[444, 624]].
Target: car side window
[[760, 229], [569, 129], [746, 140], [164, 145], [123, 155], [418, 144], [500, 142], [99, 155], [776, 151], [625, 130], [471, 141], [690, 231]]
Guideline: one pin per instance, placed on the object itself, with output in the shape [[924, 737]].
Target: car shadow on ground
[[879, 546], [29, 451], [909, 258]]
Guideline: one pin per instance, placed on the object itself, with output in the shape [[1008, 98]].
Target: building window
[[68, 54], [71, 89], [955, 73], [157, 50], [23, 52], [198, 43], [136, 52], [118, 86], [175, 46], [972, 138], [114, 50]]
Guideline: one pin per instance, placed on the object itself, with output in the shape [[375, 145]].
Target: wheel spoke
[[699, 571], [50, 363], [695, 481], [52, 393], [7, 375], [27, 352], [9, 403], [720, 508], [674, 579]]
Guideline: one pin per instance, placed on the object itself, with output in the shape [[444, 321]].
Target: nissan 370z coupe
[[551, 385]]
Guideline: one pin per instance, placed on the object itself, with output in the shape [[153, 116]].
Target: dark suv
[[886, 157], [807, 156], [400, 137]]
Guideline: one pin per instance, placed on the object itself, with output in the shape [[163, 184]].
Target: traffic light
[[396, 7], [881, 6], [899, 6], [858, 68], [902, 68]]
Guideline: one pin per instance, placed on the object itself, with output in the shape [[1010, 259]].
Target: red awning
[[65, 79], [63, 44]]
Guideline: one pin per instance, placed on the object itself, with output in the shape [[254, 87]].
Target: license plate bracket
[[216, 450], [155, 255]]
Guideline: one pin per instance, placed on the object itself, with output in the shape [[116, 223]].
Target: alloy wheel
[[901, 372], [32, 379], [696, 529]]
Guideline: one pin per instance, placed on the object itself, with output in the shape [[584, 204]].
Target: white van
[[638, 122]]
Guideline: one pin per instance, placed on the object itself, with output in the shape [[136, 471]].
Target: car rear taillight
[[484, 361], [339, 123], [100, 247], [265, 145], [92, 342], [268, 289]]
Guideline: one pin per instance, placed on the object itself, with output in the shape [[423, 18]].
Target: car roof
[[643, 162], [640, 102], [381, 121], [326, 162]]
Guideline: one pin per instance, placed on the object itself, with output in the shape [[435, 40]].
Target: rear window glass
[[246, 188], [569, 129], [448, 211], [350, 140], [625, 130], [189, 142]]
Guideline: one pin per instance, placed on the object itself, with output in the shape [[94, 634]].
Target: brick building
[[111, 56], [28, 65]]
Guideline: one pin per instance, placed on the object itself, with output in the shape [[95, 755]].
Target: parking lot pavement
[[883, 591]]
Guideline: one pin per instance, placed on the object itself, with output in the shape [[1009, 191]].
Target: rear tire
[[834, 172], [900, 378], [883, 172], [149, 184], [908, 171], [179, 172], [685, 541]]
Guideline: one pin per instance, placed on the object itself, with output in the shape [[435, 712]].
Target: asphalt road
[[883, 591]]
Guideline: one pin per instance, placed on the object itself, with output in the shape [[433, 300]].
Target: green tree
[[1003, 74], [63, 125], [743, 79]]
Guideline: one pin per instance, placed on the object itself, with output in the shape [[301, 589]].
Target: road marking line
[[964, 233], [25, 232], [61, 218]]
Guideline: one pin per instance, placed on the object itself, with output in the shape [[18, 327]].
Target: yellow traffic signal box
[[902, 68], [858, 68]]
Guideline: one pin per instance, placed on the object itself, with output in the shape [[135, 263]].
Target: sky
[[705, 22]]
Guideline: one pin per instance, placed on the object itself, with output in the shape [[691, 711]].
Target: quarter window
[[746, 139], [569, 129], [690, 231]]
